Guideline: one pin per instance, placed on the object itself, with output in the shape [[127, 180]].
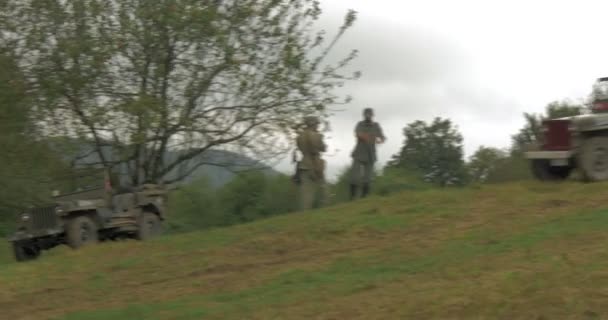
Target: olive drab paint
[[87, 216], [311, 168]]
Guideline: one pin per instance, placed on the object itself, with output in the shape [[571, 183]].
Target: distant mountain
[[216, 175]]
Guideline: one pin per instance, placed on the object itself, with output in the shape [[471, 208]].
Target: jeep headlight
[[25, 217]]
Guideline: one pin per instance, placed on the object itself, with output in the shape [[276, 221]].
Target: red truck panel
[[600, 106], [557, 135]]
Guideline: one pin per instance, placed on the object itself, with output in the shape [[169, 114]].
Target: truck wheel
[[24, 252], [149, 226], [594, 159], [81, 231], [542, 170]]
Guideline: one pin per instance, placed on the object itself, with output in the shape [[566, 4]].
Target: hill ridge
[[525, 250]]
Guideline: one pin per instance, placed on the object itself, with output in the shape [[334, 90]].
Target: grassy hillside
[[520, 251]]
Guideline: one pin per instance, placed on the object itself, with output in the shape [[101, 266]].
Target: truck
[[574, 143], [88, 216]]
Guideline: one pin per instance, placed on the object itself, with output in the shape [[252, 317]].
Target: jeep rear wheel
[[149, 226], [81, 231], [24, 252], [542, 170], [594, 159]]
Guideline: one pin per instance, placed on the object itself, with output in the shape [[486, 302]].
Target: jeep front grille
[[44, 218]]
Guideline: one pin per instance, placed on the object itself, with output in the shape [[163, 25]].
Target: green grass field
[[517, 251]]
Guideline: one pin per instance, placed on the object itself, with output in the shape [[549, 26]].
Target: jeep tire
[[594, 159], [81, 231], [148, 226], [543, 171], [23, 252]]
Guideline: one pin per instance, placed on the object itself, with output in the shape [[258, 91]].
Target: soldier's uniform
[[311, 169], [364, 155]]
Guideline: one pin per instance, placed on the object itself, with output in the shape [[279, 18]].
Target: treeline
[[433, 152], [254, 195], [431, 157]]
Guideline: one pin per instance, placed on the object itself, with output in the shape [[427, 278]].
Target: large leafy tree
[[27, 166], [145, 78], [435, 150]]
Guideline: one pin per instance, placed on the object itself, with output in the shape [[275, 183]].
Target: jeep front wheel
[[543, 171], [24, 252], [81, 231], [594, 159], [149, 226]]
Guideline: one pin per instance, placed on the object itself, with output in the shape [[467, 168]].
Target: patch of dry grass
[[514, 251]]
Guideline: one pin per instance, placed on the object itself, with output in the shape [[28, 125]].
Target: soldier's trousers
[[361, 172], [311, 190]]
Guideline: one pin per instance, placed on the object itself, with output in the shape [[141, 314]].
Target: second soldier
[[368, 133]]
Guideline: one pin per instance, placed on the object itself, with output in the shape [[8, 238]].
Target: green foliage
[[434, 150], [562, 109], [27, 165], [512, 168], [394, 179], [484, 163], [248, 197], [253, 196], [339, 190], [13, 118], [194, 207], [241, 198], [385, 182], [145, 77], [279, 196]]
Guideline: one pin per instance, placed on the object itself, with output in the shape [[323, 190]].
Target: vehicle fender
[[91, 212], [151, 206]]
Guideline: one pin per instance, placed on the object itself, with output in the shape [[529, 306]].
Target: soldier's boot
[[353, 191], [365, 190]]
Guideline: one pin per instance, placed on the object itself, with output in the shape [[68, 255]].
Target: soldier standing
[[311, 169], [368, 134]]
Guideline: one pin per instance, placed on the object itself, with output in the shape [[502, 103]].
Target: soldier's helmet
[[311, 121], [368, 111]]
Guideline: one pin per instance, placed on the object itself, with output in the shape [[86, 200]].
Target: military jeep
[[88, 216]]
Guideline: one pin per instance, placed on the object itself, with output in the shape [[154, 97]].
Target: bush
[[249, 196], [280, 196], [194, 207], [339, 191], [385, 182], [512, 168], [393, 180]]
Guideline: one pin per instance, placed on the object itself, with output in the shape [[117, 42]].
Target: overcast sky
[[480, 63]]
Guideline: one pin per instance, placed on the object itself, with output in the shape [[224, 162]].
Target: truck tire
[[542, 170], [24, 252], [81, 231], [594, 159], [148, 226]]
